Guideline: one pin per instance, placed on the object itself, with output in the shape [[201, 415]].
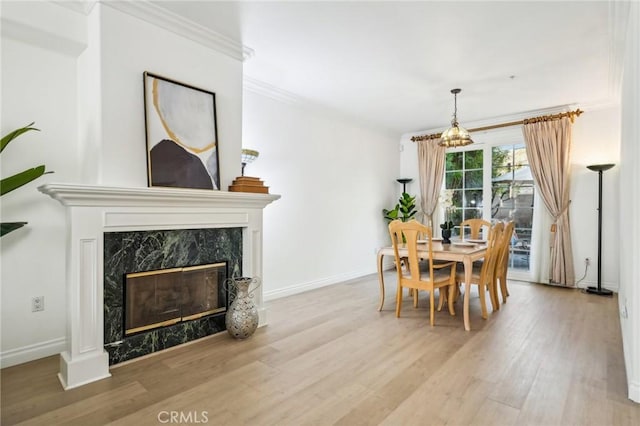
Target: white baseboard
[[312, 285], [634, 391], [32, 352]]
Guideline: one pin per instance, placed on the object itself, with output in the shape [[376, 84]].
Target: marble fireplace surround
[[93, 210]]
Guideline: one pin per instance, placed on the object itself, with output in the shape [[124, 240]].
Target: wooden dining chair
[[483, 274], [439, 275], [502, 264], [475, 225]]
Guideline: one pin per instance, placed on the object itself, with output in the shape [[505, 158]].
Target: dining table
[[465, 252]]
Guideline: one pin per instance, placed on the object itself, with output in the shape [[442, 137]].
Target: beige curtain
[[431, 169], [548, 150]]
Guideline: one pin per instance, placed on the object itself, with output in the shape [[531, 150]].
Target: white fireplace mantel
[[94, 210]]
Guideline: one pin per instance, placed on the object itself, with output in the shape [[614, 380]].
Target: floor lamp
[[599, 290], [404, 182]]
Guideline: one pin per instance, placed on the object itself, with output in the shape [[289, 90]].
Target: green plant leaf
[[7, 227], [10, 183], [11, 136], [391, 214], [407, 205], [19, 179]]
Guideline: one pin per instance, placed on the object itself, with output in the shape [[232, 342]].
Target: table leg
[[468, 269], [380, 280]]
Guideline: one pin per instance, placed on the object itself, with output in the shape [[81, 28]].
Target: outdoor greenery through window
[[463, 175], [511, 196]]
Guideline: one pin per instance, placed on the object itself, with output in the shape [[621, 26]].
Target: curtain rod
[[570, 114]]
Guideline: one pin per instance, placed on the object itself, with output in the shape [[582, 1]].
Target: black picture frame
[[181, 134]]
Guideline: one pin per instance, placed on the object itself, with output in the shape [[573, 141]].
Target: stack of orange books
[[248, 184]]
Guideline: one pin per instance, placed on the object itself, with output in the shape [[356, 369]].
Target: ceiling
[[392, 64]]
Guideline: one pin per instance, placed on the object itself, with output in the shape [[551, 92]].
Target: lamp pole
[[599, 290], [404, 182]]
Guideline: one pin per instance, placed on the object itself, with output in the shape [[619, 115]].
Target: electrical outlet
[[37, 304], [587, 261], [624, 313]]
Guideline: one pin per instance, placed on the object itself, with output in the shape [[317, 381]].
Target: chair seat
[[438, 274], [475, 272]]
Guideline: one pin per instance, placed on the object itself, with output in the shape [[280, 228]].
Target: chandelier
[[455, 135]]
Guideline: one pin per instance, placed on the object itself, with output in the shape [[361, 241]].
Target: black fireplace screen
[[168, 296]]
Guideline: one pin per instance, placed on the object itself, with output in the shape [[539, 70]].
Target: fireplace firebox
[[165, 297]]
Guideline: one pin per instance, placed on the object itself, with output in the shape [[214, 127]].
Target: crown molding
[[265, 89], [81, 6], [66, 34], [597, 105], [270, 91], [157, 15]]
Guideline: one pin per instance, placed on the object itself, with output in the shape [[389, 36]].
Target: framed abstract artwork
[[182, 136]]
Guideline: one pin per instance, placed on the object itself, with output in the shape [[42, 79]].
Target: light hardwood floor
[[550, 356]]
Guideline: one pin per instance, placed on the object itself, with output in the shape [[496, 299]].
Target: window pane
[[473, 198], [453, 180], [501, 157], [523, 199], [454, 161], [456, 216], [499, 193], [520, 156], [472, 214], [500, 173], [457, 198], [473, 179], [473, 159]]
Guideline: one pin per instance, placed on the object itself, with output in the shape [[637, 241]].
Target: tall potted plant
[[404, 210], [17, 180]]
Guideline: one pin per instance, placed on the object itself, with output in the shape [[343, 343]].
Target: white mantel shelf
[[90, 195], [93, 210]]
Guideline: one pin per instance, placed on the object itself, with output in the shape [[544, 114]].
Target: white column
[[85, 359]]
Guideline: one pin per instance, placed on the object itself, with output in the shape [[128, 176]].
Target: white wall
[[334, 177], [38, 84], [80, 78], [629, 235], [596, 139]]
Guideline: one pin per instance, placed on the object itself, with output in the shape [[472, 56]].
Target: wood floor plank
[[73, 413], [495, 413], [549, 356]]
